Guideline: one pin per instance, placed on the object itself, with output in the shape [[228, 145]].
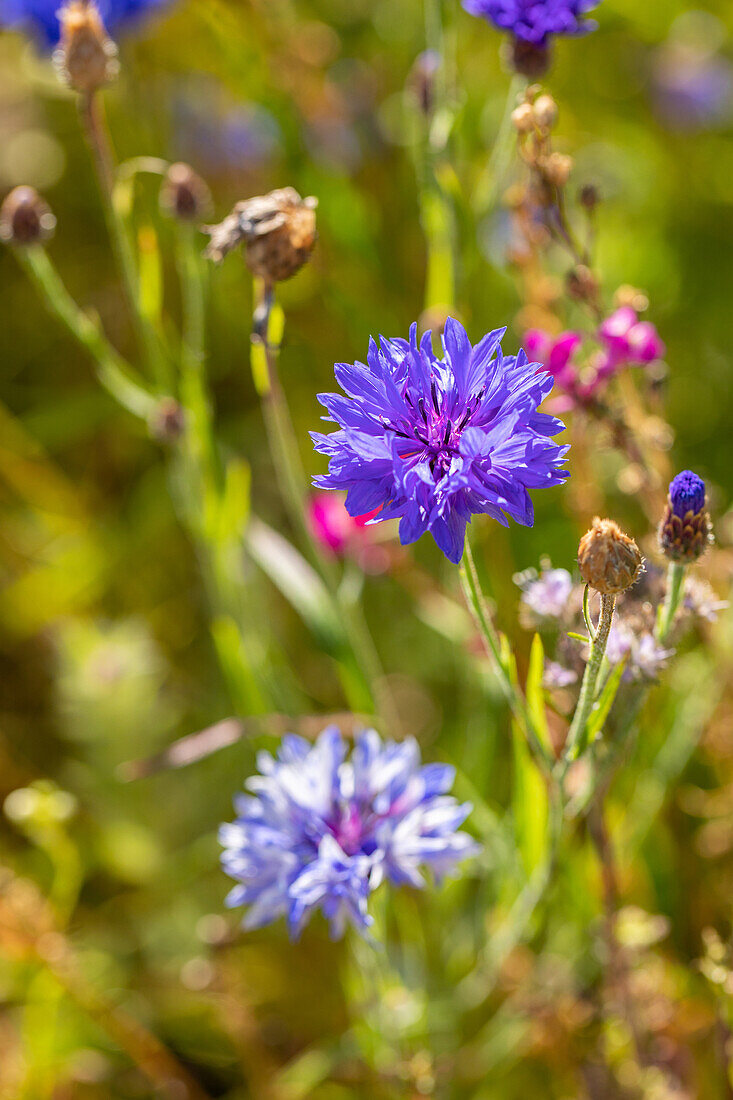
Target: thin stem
[[576, 740], [503, 148], [113, 372], [293, 487], [477, 604], [673, 595], [95, 130]]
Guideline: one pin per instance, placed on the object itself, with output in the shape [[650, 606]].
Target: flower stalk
[[672, 599], [577, 734]]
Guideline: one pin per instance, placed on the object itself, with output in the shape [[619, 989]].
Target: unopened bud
[[557, 168], [589, 196], [685, 531], [25, 218], [582, 284], [183, 194], [421, 80], [167, 421], [86, 57], [529, 60], [523, 118], [545, 111], [609, 560], [278, 231]]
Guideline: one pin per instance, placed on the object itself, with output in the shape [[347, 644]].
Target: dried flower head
[[609, 560], [183, 193], [86, 57], [685, 530], [278, 231], [320, 831], [25, 218]]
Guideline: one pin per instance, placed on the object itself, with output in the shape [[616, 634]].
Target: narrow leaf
[[604, 702], [535, 692]]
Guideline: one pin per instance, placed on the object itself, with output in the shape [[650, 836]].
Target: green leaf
[[233, 512], [298, 582], [604, 702], [578, 637], [535, 692], [529, 803]]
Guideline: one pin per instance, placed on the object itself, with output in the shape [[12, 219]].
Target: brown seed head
[[278, 231], [25, 218], [609, 560], [183, 194], [86, 57]]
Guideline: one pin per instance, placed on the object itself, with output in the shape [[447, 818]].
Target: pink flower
[[554, 352], [332, 525], [629, 340]]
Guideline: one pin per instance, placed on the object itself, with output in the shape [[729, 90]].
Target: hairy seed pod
[[609, 560], [25, 218], [86, 57]]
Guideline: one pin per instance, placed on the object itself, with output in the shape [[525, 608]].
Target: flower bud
[[86, 57], [183, 194], [589, 196], [545, 111], [25, 218], [421, 80], [609, 560], [685, 530], [529, 60], [557, 168], [278, 231], [167, 421], [523, 118]]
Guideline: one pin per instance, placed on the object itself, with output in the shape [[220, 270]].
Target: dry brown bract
[[25, 218], [86, 57], [278, 231], [609, 560]]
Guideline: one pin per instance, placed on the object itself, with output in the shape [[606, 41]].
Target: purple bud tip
[[687, 493]]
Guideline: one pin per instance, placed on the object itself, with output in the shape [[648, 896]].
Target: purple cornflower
[[41, 16], [687, 493], [321, 832], [547, 596], [435, 441], [534, 21]]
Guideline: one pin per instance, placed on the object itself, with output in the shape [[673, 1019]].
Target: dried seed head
[[529, 60], [278, 231], [167, 421], [609, 560], [545, 111], [523, 119], [685, 531], [86, 57], [25, 218], [183, 194]]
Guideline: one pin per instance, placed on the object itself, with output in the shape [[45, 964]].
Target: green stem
[[482, 616], [97, 136], [502, 150], [576, 740], [113, 372], [673, 595], [293, 487]]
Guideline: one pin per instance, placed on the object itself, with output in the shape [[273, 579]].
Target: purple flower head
[[687, 494], [434, 441], [534, 21], [41, 16], [547, 595], [629, 340], [645, 655], [320, 831]]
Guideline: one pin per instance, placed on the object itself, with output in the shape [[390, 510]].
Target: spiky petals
[[433, 441], [320, 831]]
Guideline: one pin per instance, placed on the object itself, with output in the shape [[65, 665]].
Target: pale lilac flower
[[649, 657], [547, 596], [557, 676], [701, 599], [320, 831], [620, 642], [645, 657]]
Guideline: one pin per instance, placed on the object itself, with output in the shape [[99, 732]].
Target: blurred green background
[[103, 642]]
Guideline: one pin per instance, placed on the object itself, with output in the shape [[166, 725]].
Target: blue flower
[[687, 493], [320, 831], [435, 441], [41, 16], [534, 21]]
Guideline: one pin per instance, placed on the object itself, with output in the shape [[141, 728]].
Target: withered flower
[[278, 231]]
